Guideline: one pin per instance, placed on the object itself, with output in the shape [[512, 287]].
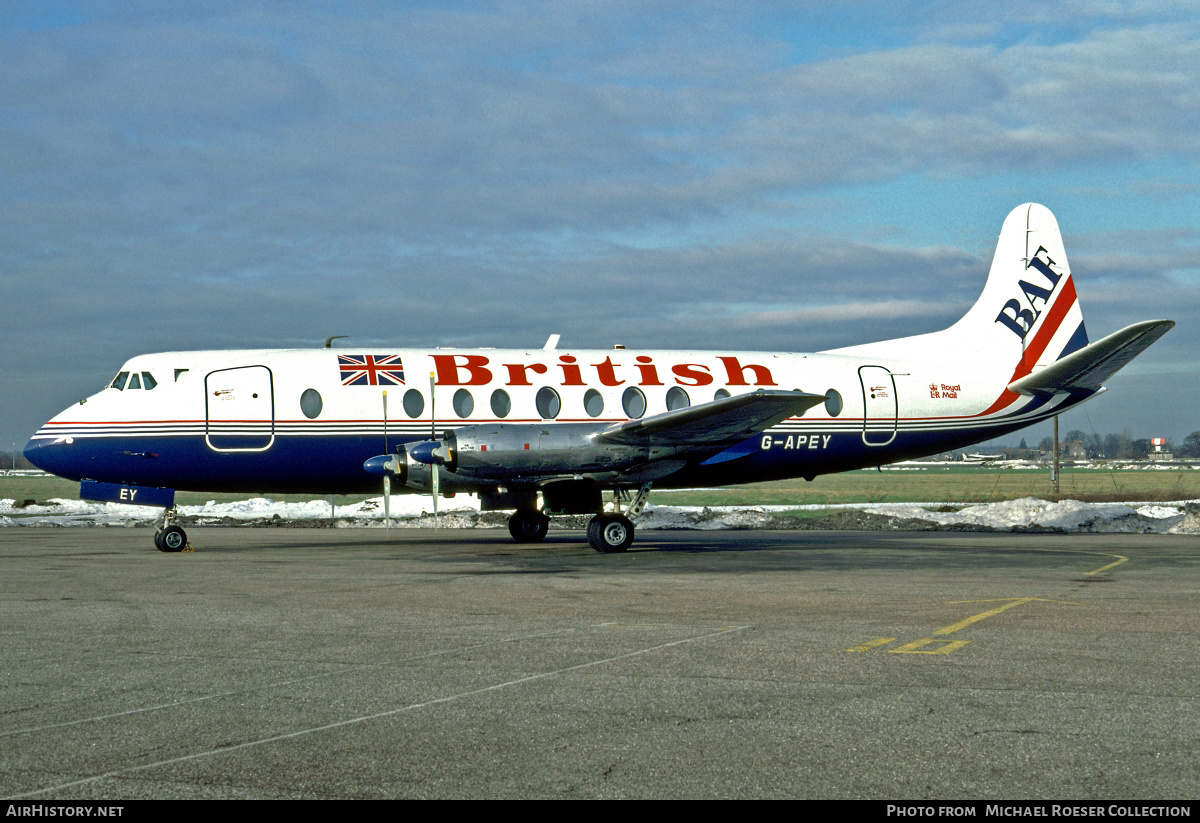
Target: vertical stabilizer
[[1028, 314]]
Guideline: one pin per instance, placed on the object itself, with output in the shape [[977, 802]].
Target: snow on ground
[[1028, 513], [1179, 517]]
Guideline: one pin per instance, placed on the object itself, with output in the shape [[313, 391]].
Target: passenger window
[[311, 403], [593, 403], [118, 382], [501, 403], [634, 402], [833, 403], [677, 398], [148, 382], [548, 403], [721, 393], [135, 382], [464, 403], [414, 403]]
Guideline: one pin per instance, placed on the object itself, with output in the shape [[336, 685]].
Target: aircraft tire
[[610, 533], [171, 539], [527, 526], [158, 540]]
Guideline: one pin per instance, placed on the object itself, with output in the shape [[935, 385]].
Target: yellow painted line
[[962, 624], [1109, 566], [917, 647]]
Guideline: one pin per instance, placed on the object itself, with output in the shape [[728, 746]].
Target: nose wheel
[[169, 537]]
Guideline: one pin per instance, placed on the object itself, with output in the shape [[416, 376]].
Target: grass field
[[950, 485], [934, 484]]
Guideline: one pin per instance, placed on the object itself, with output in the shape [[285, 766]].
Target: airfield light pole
[[1054, 471]]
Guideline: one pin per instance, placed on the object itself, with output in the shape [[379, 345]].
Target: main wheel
[[610, 533], [171, 539], [528, 526]]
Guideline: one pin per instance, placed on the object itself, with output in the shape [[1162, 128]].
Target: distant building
[[1158, 449]]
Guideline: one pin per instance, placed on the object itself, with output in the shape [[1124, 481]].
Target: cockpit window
[[127, 380]]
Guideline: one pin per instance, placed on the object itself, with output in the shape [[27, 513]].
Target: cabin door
[[879, 404], [240, 409]]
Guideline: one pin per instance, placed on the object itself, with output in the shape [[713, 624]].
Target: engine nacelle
[[417, 475], [508, 450]]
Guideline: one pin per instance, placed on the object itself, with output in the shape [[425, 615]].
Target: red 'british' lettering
[[691, 374], [606, 371], [477, 370], [518, 373], [448, 369], [736, 373]]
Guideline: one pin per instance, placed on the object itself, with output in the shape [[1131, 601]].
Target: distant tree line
[[6, 461], [1119, 446]]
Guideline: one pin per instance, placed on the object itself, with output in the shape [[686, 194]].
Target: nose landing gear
[[168, 536]]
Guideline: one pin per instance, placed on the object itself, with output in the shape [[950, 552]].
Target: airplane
[[546, 431], [975, 457]]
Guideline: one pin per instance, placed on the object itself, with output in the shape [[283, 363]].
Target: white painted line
[[277, 684], [411, 707]]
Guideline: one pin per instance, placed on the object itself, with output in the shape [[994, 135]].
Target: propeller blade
[[435, 495], [387, 478], [387, 502]]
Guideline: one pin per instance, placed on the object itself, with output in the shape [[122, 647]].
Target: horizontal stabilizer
[[729, 419], [1088, 368]]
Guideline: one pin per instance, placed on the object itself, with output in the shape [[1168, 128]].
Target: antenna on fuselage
[[329, 340]]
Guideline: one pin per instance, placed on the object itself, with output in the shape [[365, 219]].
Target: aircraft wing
[[727, 420], [1088, 368]]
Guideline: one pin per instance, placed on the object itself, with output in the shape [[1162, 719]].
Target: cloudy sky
[[792, 176]]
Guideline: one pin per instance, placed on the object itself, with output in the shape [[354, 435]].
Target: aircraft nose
[[55, 456]]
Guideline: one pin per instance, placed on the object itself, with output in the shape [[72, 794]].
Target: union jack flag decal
[[371, 369]]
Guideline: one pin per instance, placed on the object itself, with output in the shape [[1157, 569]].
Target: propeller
[[432, 453]]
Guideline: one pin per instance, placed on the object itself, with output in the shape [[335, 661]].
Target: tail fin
[[1027, 323], [1028, 314]]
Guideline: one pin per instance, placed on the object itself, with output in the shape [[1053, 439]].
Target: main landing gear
[[612, 532], [528, 526], [607, 532], [168, 536]]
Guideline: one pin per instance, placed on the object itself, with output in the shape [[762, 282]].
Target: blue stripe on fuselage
[[334, 464], [326, 465]]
